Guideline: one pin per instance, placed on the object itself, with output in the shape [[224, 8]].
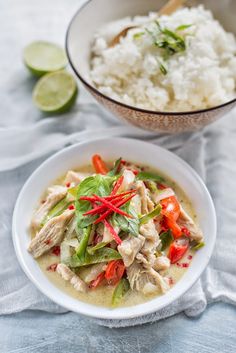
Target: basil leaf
[[121, 289], [166, 239], [128, 225], [149, 176], [101, 255], [97, 184], [138, 35], [147, 217], [115, 169]]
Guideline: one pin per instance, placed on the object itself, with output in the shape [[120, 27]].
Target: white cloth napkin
[[27, 137]]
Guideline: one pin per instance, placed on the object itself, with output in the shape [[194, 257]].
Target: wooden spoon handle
[[170, 7]]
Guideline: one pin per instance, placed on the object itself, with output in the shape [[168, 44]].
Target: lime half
[[55, 92], [43, 57]]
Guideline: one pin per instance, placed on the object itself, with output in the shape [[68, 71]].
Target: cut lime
[[43, 57], [55, 92]]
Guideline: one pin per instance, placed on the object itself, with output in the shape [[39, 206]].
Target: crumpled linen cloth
[[27, 137]]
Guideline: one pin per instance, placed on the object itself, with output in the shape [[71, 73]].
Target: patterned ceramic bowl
[[79, 37]]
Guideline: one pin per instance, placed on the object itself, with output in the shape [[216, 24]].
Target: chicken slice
[[146, 203], [157, 278], [154, 276], [94, 271], [74, 178], [130, 247], [55, 194], [161, 263], [51, 234], [70, 276], [128, 181], [149, 231], [185, 220], [146, 280], [134, 274], [136, 203], [162, 282]]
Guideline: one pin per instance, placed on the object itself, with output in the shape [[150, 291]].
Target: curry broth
[[102, 296]]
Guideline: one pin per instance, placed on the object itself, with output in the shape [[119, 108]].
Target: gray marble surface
[[38, 332]]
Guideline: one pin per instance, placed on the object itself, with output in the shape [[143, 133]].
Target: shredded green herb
[[183, 27], [170, 42], [138, 35], [163, 69]]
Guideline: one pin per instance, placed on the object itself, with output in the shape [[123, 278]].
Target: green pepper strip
[[146, 218], [60, 207], [92, 249], [80, 251]]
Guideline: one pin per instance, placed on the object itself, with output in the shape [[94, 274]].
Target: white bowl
[[133, 150]]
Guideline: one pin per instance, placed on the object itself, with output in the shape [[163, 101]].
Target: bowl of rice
[[169, 73]]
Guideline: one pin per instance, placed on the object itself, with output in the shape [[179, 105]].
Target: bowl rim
[[123, 105], [91, 310]]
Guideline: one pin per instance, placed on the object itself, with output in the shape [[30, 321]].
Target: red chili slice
[[107, 213], [114, 271], [112, 198], [99, 165], [108, 205], [170, 208], [97, 281], [112, 231], [177, 249], [117, 185], [174, 227]]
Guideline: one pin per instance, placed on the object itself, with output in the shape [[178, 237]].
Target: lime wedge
[[55, 92], [43, 57]]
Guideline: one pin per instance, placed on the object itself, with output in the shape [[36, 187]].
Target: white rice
[[202, 76]]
